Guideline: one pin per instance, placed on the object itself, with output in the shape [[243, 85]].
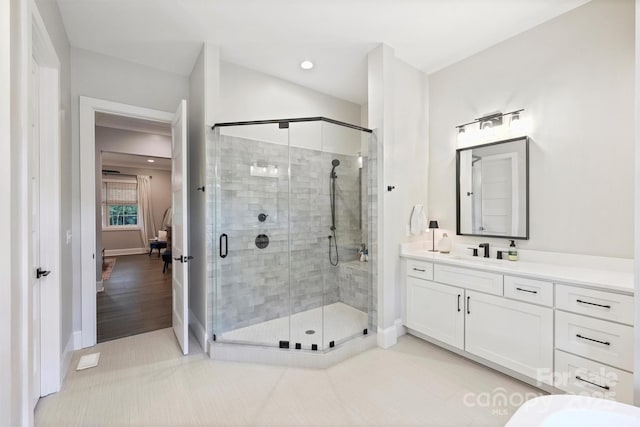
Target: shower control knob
[[262, 217]]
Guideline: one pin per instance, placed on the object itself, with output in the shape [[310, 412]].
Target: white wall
[[398, 111], [132, 142], [100, 76], [575, 85], [7, 326], [250, 95], [636, 349], [197, 201]]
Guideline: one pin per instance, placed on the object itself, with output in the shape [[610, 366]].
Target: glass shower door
[[347, 282], [252, 268], [330, 287]]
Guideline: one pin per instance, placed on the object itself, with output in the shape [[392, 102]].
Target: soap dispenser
[[513, 252], [444, 245]]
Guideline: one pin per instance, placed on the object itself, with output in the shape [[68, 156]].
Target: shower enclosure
[[294, 208]]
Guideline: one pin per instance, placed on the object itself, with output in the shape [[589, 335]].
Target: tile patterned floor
[[143, 380]]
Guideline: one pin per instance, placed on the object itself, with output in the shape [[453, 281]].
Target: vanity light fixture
[[306, 65], [487, 124]]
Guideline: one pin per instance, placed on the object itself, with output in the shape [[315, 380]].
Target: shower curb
[[245, 353]]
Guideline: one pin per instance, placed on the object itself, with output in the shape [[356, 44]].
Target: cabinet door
[[516, 335], [436, 310]]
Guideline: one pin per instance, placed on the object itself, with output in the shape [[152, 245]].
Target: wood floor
[[136, 299]]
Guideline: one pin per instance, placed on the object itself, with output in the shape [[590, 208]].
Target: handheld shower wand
[[332, 199]]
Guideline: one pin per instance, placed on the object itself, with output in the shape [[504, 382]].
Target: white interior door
[[497, 195], [34, 229], [179, 227]]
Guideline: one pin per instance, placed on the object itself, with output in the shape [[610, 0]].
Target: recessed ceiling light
[[151, 161], [306, 65]]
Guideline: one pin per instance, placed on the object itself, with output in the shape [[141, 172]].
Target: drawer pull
[[526, 290], [593, 303], [606, 387], [591, 339], [419, 269], [458, 303]]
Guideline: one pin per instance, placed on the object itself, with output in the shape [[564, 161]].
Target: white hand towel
[[418, 222]]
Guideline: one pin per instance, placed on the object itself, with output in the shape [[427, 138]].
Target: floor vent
[[88, 361]]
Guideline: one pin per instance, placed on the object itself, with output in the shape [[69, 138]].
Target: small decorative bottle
[[444, 245], [513, 252]]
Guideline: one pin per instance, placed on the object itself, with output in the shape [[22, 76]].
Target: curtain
[[145, 211]]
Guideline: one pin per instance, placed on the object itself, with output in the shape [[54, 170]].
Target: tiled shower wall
[[254, 283]]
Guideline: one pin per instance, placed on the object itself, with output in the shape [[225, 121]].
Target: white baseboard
[[129, 251], [400, 328], [198, 331], [74, 343], [387, 337]]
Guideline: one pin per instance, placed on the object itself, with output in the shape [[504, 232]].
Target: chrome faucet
[[486, 249]]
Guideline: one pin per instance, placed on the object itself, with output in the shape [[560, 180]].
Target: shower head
[[335, 163]]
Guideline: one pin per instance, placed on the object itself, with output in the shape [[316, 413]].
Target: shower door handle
[[226, 245]]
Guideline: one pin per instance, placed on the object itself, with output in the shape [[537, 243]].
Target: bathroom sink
[[477, 260]]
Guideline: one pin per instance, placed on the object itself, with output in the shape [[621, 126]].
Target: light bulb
[[306, 65]]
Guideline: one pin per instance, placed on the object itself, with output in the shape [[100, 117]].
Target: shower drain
[[310, 332]]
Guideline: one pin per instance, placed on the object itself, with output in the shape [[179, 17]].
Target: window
[[119, 204]]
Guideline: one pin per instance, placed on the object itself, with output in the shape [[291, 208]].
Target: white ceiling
[[114, 161], [273, 36]]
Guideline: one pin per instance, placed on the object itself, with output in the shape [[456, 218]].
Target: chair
[[158, 243], [166, 255]]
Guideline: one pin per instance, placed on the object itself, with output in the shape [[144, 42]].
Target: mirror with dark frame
[[492, 186]]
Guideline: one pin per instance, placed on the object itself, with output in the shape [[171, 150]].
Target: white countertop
[[611, 280]]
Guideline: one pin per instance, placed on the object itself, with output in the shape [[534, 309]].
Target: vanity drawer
[[604, 305], [602, 341], [585, 377], [420, 269], [529, 290], [480, 281]]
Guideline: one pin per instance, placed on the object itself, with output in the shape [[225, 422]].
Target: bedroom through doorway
[[133, 228]]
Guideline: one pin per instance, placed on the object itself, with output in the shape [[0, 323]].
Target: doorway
[[133, 233], [92, 110]]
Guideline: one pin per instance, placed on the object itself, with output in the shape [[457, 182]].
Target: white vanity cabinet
[[513, 334], [436, 310], [577, 339], [594, 342], [510, 333]]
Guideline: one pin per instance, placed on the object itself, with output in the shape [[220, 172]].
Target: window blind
[[119, 193]]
